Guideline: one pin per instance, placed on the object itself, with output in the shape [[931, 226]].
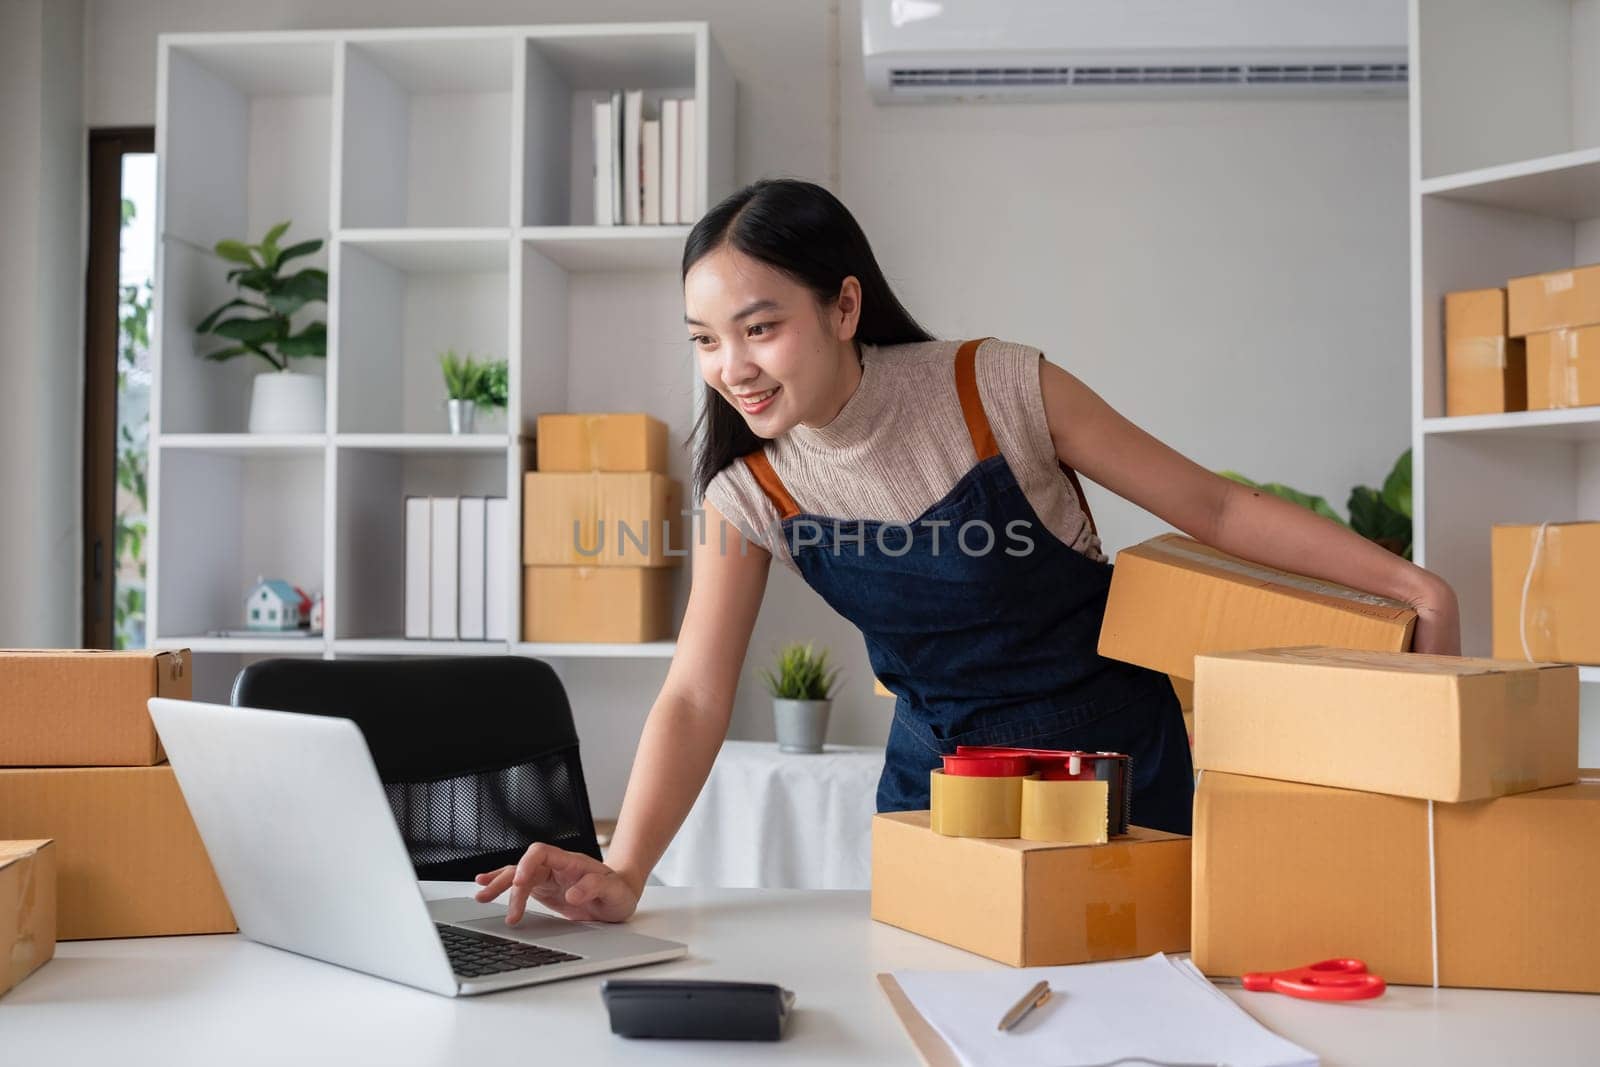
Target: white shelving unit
[[448, 172], [1505, 180]]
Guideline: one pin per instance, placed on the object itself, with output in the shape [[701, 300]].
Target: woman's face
[[766, 344]]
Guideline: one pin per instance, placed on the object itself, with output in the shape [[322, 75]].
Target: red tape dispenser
[[1113, 768], [1329, 980]]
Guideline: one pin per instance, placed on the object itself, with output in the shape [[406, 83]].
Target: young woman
[[926, 490]]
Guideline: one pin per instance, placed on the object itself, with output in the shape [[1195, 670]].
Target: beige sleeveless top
[[901, 443]]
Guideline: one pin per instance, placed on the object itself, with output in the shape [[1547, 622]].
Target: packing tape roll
[[974, 806], [1064, 811]]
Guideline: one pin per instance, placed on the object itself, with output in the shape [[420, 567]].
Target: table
[[779, 820], [170, 1002]]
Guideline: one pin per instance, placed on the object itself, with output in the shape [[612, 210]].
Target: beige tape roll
[[1066, 812], [974, 807]]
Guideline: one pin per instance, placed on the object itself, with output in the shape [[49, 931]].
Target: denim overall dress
[[984, 625]]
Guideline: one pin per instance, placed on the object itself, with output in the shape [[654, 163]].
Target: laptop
[[294, 817]]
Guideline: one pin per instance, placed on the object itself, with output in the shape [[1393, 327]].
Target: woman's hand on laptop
[[570, 884]]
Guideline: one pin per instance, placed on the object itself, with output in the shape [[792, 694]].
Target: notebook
[[1098, 1013]]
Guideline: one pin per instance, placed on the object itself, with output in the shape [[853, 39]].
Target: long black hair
[[804, 231]]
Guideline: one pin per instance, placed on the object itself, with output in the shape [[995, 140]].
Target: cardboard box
[[1564, 368], [27, 908], [1032, 903], [1435, 727], [1561, 619], [601, 442], [1559, 300], [1485, 371], [1173, 598], [1286, 874], [85, 708], [602, 519], [596, 604], [131, 863]]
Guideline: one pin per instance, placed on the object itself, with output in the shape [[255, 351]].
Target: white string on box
[[1527, 583], [1433, 898]]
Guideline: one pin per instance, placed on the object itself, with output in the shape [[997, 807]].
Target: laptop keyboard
[[474, 955]]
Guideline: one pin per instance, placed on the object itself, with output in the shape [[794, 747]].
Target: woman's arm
[[682, 734], [1093, 439], [689, 720]]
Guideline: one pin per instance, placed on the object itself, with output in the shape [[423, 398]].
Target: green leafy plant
[[1381, 515], [465, 378], [274, 297], [802, 674], [495, 391]]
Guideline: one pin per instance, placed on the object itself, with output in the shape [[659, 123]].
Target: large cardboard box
[[1173, 598], [1032, 903], [131, 862], [1485, 371], [1564, 368], [596, 603], [1436, 727], [601, 442], [602, 519], [1561, 616], [85, 708], [1286, 874], [1559, 300], [27, 908]]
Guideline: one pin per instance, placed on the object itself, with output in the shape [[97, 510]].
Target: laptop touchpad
[[540, 929]]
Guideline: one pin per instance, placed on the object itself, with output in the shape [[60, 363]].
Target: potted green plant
[[463, 382], [802, 696], [260, 322]]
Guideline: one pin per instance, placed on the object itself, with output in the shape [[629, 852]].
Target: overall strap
[[771, 484], [982, 435], [983, 441]]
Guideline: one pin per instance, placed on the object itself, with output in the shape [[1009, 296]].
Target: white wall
[[1230, 275], [42, 183]]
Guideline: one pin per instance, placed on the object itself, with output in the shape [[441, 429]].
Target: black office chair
[[478, 754]]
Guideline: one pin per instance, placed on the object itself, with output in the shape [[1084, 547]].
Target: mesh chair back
[[478, 755]]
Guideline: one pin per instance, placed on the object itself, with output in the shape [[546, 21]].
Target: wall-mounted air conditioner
[[920, 50]]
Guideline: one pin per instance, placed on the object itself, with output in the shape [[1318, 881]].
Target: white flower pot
[[801, 724], [287, 402]]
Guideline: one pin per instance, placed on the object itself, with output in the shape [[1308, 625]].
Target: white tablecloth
[[776, 820]]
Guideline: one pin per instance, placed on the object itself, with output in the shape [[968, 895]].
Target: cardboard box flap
[[1396, 662], [1185, 552], [11, 851]]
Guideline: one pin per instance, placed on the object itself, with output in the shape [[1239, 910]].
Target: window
[[119, 288]]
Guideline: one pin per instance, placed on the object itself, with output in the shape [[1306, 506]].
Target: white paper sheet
[[1157, 1009]]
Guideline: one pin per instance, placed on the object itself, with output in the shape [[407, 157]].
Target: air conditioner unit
[[922, 50]]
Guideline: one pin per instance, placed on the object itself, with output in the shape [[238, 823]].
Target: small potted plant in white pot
[[802, 696], [259, 322]]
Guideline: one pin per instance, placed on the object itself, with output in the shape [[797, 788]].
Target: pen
[[1030, 1000]]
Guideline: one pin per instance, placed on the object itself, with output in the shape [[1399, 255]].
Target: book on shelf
[[444, 590], [615, 180], [500, 575], [632, 165], [470, 581], [605, 146], [419, 556], [650, 181], [687, 154], [670, 110]]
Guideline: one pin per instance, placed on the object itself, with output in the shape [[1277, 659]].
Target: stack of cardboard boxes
[[81, 765], [602, 530], [1031, 903], [1423, 814], [1532, 345]]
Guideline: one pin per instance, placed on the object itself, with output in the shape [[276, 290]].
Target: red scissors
[[1328, 980]]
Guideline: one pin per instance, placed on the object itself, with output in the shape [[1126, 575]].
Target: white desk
[[779, 820], [169, 1002]]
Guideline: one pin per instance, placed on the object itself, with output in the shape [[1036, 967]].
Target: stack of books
[[644, 161], [458, 568]]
